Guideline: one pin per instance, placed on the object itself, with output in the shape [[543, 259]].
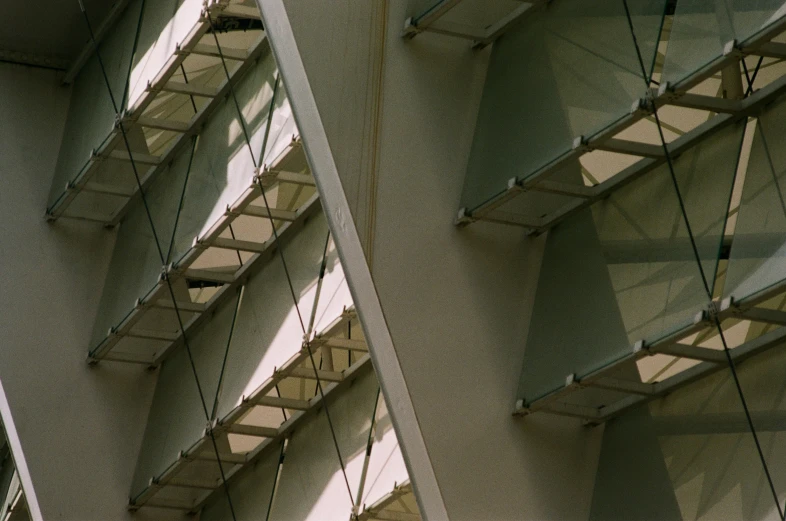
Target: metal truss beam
[[231, 423], [712, 360], [163, 83], [158, 297], [727, 112], [431, 21]]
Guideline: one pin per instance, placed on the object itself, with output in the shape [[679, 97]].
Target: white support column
[[345, 234], [19, 457]]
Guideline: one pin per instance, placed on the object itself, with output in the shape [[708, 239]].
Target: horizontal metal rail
[[726, 112], [378, 510], [431, 20], [134, 116], [158, 298], [202, 450], [637, 392]]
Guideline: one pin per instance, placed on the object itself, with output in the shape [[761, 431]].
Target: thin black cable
[[160, 252], [182, 198], [185, 80], [139, 184], [122, 130], [707, 288], [232, 90], [283, 410], [223, 475], [369, 445], [133, 52], [749, 90], [307, 341], [226, 353], [747, 74], [666, 150], [193, 106], [281, 457]]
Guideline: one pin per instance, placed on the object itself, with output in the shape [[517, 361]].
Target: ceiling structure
[[64, 39]]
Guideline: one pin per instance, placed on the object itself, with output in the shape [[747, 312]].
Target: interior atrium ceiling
[[180, 137], [648, 173]]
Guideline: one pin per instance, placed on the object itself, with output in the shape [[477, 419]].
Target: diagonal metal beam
[[417, 24]]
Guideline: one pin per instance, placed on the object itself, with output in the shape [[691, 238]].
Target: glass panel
[[165, 25], [177, 418], [312, 487], [386, 466], [701, 28], [136, 263], [250, 492], [568, 70], [268, 331], [91, 115], [222, 168], [625, 269], [220, 171], [691, 455], [758, 254]]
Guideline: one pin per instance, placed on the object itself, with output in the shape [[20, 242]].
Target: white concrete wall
[[80, 428], [456, 302]]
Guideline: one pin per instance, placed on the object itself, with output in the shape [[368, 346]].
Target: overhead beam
[[192, 307], [170, 504], [708, 103], [238, 245], [310, 374], [151, 334], [239, 11], [211, 50], [420, 23], [625, 386], [729, 112], [203, 451], [506, 23], [209, 276], [202, 484], [158, 296], [767, 316], [164, 124], [102, 188], [704, 354], [252, 430], [138, 157], [346, 343], [190, 89], [385, 501], [632, 148], [210, 455], [739, 354], [282, 403], [138, 109], [571, 190], [772, 50], [390, 515], [265, 212], [269, 177], [353, 258]]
